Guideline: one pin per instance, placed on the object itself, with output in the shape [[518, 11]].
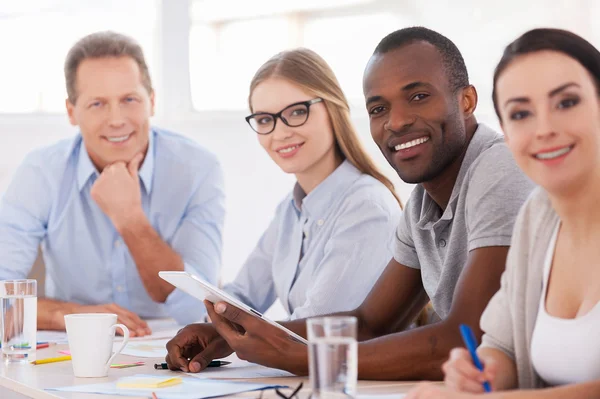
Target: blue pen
[[471, 344]]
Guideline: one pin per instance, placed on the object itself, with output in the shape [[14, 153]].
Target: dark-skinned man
[[451, 244]]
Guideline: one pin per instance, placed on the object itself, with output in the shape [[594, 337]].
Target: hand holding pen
[[465, 370]]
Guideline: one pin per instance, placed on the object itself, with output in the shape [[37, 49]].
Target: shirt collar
[[430, 212], [479, 142], [318, 202], [86, 169]]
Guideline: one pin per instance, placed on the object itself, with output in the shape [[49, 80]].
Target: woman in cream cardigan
[[542, 328]]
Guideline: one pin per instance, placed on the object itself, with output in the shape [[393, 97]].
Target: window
[[219, 11], [223, 59], [31, 72], [346, 48], [228, 45]]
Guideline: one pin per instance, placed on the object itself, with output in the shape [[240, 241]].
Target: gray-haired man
[[116, 203]]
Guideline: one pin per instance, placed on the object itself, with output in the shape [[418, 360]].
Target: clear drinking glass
[[333, 357], [18, 320]]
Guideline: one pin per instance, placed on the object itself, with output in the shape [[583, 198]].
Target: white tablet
[[202, 290]]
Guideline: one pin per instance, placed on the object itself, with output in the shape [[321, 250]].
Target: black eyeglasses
[[293, 115]]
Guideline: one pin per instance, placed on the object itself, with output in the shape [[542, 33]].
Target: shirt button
[[120, 288], [320, 222], [442, 243], [117, 243]]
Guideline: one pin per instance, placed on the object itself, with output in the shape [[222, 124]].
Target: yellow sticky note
[[149, 382]]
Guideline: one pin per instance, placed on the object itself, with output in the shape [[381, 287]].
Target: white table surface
[[19, 381]]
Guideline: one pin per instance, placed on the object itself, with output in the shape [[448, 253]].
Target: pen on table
[[52, 360], [154, 396], [471, 344], [214, 363]]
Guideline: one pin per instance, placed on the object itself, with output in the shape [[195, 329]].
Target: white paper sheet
[[144, 348], [237, 369], [246, 372], [190, 388], [240, 369], [161, 329], [53, 337]]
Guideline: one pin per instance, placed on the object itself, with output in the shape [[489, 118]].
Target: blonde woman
[[332, 236]]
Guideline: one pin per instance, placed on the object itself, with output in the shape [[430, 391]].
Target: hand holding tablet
[[203, 290]]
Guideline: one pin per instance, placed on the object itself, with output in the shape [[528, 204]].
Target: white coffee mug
[[91, 337]]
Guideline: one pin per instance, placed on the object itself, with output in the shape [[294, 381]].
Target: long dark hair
[[558, 40]]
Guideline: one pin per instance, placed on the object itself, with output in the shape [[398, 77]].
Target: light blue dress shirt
[[324, 251], [48, 202]]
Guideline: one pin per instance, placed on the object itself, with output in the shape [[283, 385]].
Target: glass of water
[[333, 357], [18, 320]]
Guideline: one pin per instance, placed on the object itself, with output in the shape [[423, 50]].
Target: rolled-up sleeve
[[24, 212], [198, 240], [497, 321]]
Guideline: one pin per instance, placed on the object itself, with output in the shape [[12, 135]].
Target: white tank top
[[565, 351]]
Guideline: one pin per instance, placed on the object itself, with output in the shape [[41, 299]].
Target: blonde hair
[[306, 69]]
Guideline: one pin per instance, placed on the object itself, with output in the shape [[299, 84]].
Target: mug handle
[[125, 340]]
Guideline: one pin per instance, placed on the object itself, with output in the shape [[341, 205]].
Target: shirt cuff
[[494, 241], [406, 255], [489, 342]]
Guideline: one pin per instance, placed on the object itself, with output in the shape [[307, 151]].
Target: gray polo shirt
[[489, 190]]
